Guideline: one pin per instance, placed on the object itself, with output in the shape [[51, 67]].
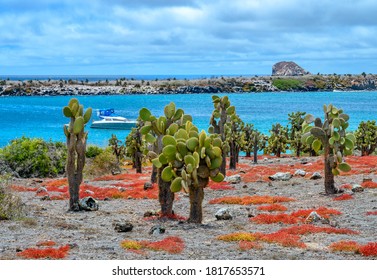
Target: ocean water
[[42, 116]]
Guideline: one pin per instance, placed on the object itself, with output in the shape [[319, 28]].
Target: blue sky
[[173, 37]]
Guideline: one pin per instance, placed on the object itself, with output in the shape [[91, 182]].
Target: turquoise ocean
[[42, 116]]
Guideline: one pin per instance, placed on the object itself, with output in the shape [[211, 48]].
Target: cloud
[[185, 37]]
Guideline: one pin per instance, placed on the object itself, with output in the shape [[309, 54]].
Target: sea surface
[[42, 116]]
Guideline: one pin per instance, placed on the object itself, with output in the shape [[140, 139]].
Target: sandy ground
[[92, 235]]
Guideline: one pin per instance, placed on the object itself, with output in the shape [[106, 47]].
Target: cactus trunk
[[329, 176], [233, 156], [165, 196], [196, 195], [248, 154], [255, 151], [154, 174], [138, 164]]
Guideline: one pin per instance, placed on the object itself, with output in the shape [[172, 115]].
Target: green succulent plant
[[331, 138], [366, 137], [233, 133], [278, 140], [118, 148], [135, 147], [189, 159], [76, 145], [153, 131]]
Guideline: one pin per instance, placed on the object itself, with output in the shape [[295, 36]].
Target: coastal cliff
[[211, 85]]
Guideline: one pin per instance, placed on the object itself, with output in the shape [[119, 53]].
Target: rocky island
[[286, 76]]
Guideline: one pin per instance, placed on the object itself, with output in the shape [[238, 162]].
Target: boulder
[[234, 179], [88, 203], [155, 230], [281, 176], [126, 227], [357, 188], [148, 185], [223, 214], [300, 172], [312, 218], [316, 176], [288, 68]]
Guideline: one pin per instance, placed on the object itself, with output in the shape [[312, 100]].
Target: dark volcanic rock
[[288, 68]]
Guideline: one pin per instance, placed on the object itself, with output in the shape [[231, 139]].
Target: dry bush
[[11, 206]]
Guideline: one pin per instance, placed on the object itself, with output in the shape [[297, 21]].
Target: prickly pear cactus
[[296, 119], [220, 115], [366, 137], [153, 131], [252, 141], [233, 134], [278, 140], [76, 144], [118, 149], [189, 159], [135, 147], [331, 138]]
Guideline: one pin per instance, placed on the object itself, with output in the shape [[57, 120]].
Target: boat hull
[[113, 125]]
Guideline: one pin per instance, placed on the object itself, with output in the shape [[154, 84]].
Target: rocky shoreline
[[306, 83]]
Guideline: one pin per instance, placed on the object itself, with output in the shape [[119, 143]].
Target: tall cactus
[[330, 137], [118, 149], [296, 119], [135, 147], [233, 134], [366, 137], [154, 129], [278, 140], [76, 144], [222, 111], [188, 160], [252, 141]]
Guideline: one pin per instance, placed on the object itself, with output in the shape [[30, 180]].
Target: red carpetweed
[[273, 207], [248, 245], [220, 186], [56, 183], [172, 245], [345, 246], [239, 236], [346, 187], [23, 188], [284, 239], [344, 196], [322, 211], [246, 200], [371, 213], [370, 185], [310, 229], [272, 219], [45, 253], [369, 249], [47, 243]]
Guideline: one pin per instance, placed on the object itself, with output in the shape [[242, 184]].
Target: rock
[[155, 230], [300, 172], [312, 218], [148, 185], [41, 190], [288, 68], [88, 203], [234, 179], [122, 189], [367, 180], [89, 192], [223, 214], [45, 197], [316, 176], [357, 188], [115, 171], [281, 176], [126, 227], [150, 213]]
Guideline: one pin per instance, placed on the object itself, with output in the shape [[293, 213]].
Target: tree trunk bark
[[255, 153], [248, 154], [138, 164], [232, 159], [278, 153], [329, 176], [196, 195], [154, 174], [165, 195]]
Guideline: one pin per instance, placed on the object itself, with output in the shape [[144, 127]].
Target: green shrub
[[93, 151], [102, 164], [287, 84], [34, 157]]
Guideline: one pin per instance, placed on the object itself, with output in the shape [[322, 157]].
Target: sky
[[193, 37]]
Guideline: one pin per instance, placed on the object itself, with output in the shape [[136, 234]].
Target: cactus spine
[[76, 144], [222, 110], [330, 137], [154, 129], [191, 159]]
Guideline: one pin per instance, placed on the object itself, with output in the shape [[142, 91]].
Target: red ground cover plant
[[220, 186], [56, 183], [18, 188], [346, 187], [246, 200], [370, 185], [274, 218], [310, 229], [168, 217], [370, 249], [322, 211], [248, 245], [273, 207], [171, 244], [345, 246], [344, 196], [284, 239], [371, 213], [46, 243], [240, 236], [45, 253]]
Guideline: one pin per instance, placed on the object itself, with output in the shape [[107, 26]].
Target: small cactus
[[76, 144], [135, 147], [296, 119], [278, 140], [252, 141], [154, 129], [331, 138], [366, 137], [118, 149], [189, 159]]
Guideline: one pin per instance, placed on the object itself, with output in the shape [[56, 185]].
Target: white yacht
[[108, 120]]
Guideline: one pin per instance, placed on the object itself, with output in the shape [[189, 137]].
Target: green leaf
[[230, 110], [78, 125], [335, 171], [336, 122], [87, 115], [167, 174], [169, 151], [345, 167], [67, 112], [176, 185], [218, 178], [163, 159], [169, 140], [309, 118], [169, 110], [150, 138], [349, 144], [178, 114], [145, 114], [316, 145], [192, 143], [145, 129], [156, 163]]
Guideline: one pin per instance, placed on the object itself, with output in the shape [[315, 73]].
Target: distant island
[[286, 76]]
